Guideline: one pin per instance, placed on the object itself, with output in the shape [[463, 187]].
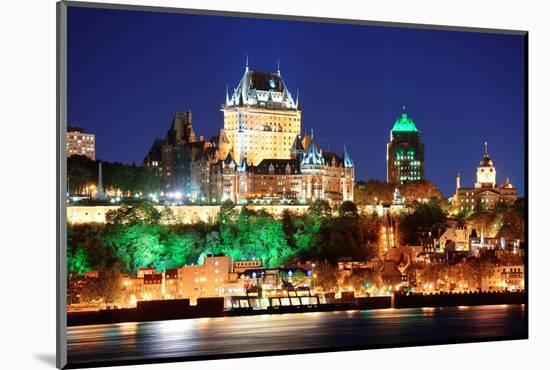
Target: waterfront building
[[141, 272], [486, 192], [204, 280], [241, 266], [509, 274], [153, 287], [80, 142], [404, 152]]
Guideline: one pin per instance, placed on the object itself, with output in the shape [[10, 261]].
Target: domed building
[[486, 192]]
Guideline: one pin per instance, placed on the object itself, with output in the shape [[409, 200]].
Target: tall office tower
[[405, 152]]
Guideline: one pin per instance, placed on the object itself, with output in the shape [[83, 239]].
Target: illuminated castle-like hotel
[[259, 156]]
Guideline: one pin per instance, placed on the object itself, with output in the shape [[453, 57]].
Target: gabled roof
[[329, 156], [297, 146], [348, 162], [277, 166], [265, 89], [229, 159], [313, 156]]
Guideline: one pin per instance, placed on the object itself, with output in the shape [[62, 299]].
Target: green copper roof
[[404, 124]]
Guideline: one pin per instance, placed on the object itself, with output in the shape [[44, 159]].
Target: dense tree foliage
[[471, 272], [362, 280], [139, 236], [380, 192], [373, 192], [419, 215], [83, 172], [419, 190]]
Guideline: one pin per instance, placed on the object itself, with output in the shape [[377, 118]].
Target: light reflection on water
[[225, 335]]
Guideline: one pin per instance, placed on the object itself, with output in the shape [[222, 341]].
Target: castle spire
[[486, 149], [246, 67], [226, 95], [278, 67], [348, 162]]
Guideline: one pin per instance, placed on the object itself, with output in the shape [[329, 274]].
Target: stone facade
[[183, 214], [261, 118], [259, 156], [486, 192]]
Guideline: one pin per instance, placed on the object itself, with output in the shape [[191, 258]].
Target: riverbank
[[214, 307]]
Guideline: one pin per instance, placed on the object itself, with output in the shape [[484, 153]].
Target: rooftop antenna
[[485, 148], [297, 97], [312, 134], [246, 68], [278, 67]]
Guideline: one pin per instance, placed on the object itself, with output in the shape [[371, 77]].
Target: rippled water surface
[[229, 335]]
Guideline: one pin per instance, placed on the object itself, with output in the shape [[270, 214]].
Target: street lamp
[[313, 274]]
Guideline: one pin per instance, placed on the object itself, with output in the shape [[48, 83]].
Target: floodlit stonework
[[183, 214], [258, 156]]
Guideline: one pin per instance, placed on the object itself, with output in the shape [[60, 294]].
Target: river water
[[299, 331]]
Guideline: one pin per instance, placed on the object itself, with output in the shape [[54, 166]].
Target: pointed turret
[[313, 156], [348, 162], [226, 95], [242, 166], [229, 160]]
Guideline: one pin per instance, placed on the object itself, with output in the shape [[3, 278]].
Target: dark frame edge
[[61, 118], [288, 17], [526, 176], [61, 171]]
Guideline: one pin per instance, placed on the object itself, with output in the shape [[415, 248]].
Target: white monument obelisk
[[100, 193]]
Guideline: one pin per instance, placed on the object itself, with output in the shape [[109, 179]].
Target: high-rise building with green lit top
[[405, 152]]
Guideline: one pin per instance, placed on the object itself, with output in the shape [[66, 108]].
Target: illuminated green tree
[[78, 261]]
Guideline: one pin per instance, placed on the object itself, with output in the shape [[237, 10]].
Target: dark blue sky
[[128, 72]]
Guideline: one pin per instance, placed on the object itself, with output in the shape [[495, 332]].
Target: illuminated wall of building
[[261, 119], [80, 143], [183, 214]]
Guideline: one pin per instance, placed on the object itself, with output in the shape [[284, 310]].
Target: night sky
[[129, 71]]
